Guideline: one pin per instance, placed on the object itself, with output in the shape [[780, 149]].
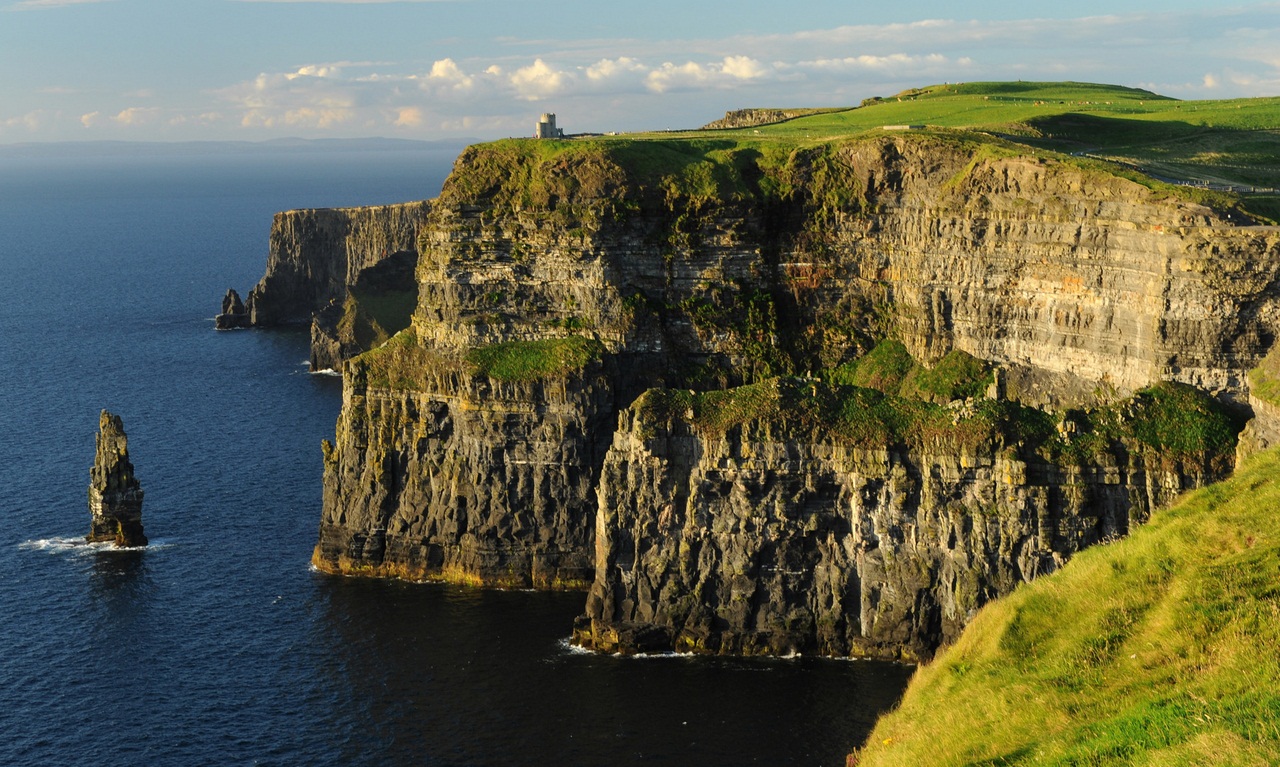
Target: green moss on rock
[[534, 360]]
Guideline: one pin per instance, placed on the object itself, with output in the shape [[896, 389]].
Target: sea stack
[[234, 314], [115, 497]]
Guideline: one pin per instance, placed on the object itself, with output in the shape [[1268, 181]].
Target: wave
[[567, 647], [78, 545]]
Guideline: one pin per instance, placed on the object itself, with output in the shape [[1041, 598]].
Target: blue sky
[[426, 69]]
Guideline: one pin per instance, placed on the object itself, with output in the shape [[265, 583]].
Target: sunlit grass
[[1163, 648]]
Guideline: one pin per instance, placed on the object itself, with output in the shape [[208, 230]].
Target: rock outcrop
[[233, 315], [476, 444], [317, 256], [115, 497], [750, 118]]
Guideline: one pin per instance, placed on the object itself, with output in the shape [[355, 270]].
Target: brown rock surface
[[115, 497]]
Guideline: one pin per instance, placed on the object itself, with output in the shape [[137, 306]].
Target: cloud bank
[[622, 84]]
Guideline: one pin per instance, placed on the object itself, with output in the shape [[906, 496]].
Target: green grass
[[1163, 648], [403, 363], [534, 360], [400, 363], [883, 368], [958, 375], [1264, 380], [581, 182], [372, 317]]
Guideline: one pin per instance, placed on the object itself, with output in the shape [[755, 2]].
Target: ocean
[[217, 644]]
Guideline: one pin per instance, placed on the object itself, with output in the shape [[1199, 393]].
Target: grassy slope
[[1227, 141], [1163, 648], [1235, 141]]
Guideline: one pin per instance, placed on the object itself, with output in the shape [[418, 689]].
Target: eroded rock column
[[115, 497]]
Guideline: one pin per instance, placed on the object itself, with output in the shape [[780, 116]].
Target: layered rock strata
[[456, 476], [115, 496], [315, 254], [772, 538], [692, 269]]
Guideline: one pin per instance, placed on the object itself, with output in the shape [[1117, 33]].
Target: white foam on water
[[57, 545], [79, 546], [569, 648]]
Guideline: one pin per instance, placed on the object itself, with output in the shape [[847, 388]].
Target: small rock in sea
[[115, 497], [234, 315]]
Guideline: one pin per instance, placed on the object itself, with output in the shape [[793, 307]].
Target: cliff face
[[766, 538], [445, 473], [1078, 281], [706, 265], [316, 255]]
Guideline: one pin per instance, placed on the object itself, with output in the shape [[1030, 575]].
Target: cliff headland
[[818, 386]]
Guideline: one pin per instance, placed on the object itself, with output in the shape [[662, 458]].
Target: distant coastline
[[35, 149]]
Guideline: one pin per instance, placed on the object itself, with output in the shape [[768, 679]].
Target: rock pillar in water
[[115, 497], [234, 314]]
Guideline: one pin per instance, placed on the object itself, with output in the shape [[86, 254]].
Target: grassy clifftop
[[1163, 648], [1076, 124]]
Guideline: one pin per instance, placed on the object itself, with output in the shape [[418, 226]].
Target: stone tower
[[547, 127], [115, 497]]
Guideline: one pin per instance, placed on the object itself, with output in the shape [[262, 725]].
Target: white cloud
[[32, 121], [137, 116], [635, 84], [447, 71], [691, 75], [743, 67], [539, 80], [409, 117]]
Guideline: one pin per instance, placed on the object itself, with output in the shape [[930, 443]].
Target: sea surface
[[217, 644]]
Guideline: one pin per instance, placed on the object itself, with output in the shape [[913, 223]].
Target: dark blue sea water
[[217, 645]]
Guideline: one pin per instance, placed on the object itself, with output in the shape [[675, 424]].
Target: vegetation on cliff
[[404, 363], [1157, 649], [886, 398], [534, 360], [1264, 380]]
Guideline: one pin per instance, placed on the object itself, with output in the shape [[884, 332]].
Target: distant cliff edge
[[323, 261]]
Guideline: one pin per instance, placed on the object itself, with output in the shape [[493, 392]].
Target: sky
[[185, 70]]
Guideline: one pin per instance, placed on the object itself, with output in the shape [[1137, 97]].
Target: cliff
[[557, 281], [798, 515], [315, 257], [440, 470]]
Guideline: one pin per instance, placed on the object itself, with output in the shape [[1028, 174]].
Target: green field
[[1160, 649], [1235, 141], [1232, 146]]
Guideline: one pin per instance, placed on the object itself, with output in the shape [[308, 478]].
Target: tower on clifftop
[[547, 127]]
